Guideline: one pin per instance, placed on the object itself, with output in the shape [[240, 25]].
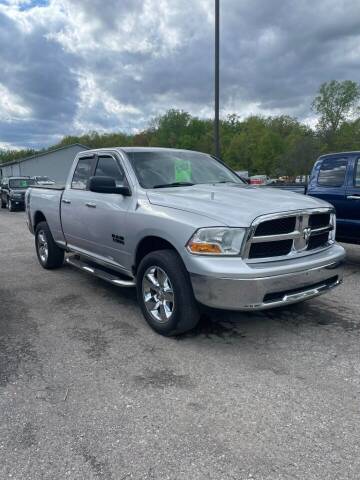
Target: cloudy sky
[[70, 66]]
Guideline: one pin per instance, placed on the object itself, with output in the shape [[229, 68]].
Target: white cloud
[[69, 66], [11, 106], [29, 16], [153, 27], [9, 146], [96, 107]]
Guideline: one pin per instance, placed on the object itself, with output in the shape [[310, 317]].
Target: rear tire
[[49, 254], [165, 294], [3, 204]]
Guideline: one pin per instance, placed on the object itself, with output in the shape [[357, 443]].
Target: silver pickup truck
[[185, 230]]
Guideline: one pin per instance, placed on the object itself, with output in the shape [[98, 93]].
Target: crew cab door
[[74, 211], [105, 214], [328, 182], [94, 223], [353, 201]]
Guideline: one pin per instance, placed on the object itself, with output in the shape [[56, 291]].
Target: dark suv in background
[[12, 193]]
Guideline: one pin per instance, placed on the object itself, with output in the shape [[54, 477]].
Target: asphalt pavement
[[89, 391]]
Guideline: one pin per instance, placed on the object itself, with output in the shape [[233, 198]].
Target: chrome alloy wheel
[[43, 247], [158, 294]]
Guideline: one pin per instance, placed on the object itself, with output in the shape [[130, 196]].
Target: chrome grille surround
[[300, 237]]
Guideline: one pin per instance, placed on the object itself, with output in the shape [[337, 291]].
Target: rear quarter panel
[[46, 202]]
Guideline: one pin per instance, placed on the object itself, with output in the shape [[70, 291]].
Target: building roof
[[41, 154]]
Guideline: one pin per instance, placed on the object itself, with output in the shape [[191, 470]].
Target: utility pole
[[217, 78]]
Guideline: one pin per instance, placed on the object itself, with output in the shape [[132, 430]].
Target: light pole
[[217, 79]]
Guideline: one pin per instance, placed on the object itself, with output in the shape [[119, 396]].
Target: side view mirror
[[107, 185]]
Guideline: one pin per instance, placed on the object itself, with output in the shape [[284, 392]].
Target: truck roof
[[136, 149]]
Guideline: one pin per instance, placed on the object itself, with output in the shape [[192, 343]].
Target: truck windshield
[[21, 182], [159, 169]]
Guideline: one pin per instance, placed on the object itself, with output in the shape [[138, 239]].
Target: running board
[[97, 271]]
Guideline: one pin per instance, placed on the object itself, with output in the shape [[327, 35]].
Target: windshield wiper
[[174, 184]]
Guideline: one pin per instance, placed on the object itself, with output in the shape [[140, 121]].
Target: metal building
[[54, 164]]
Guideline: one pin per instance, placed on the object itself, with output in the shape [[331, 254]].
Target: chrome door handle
[[90, 205], [66, 201], [353, 197]]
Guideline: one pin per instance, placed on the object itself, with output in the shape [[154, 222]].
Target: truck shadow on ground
[[228, 326], [211, 326], [231, 326]]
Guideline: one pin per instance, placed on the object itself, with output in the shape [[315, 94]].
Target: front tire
[[165, 294], [49, 254]]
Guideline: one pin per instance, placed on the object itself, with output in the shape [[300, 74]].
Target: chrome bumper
[[261, 293]]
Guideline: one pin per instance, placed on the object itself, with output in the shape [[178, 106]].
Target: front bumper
[[269, 291], [18, 202]]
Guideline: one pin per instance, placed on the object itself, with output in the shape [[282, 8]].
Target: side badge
[[118, 239]]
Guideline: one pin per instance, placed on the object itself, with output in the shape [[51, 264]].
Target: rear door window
[[332, 172], [82, 174]]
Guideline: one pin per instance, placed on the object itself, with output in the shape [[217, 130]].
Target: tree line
[[276, 145]]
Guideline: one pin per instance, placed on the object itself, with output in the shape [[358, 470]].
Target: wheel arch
[[38, 217], [149, 244]]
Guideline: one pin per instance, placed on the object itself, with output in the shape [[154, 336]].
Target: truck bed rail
[[57, 186]]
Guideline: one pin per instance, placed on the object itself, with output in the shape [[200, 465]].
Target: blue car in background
[[336, 179]]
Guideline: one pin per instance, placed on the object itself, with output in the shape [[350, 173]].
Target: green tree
[[335, 103], [299, 154], [11, 155], [242, 153], [169, 129]]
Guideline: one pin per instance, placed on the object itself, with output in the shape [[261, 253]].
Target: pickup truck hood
[[232, 204]]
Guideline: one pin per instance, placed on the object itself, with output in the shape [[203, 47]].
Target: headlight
[[217, 241]]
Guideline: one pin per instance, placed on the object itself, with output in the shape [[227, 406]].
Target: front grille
[[276, 227], [270, 249], [294, 234], [319, 220], [318, 241]]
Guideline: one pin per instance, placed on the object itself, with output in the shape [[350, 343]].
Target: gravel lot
[[88, 391]]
